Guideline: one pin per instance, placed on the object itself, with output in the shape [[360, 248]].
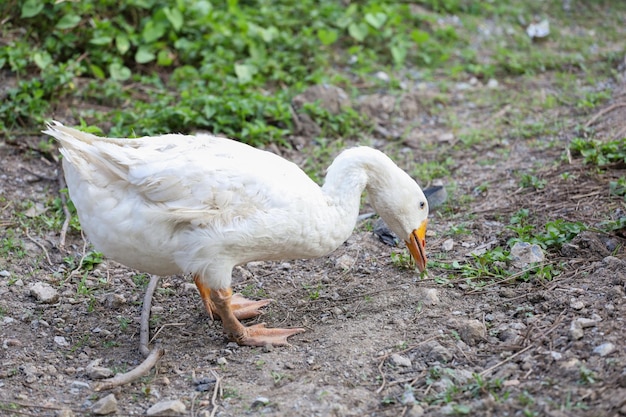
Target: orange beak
[[417, 244]]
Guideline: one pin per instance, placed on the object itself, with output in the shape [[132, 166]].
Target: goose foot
[[242, 307], [256, 335]]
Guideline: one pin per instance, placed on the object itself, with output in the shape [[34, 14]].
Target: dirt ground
[[380, 340]]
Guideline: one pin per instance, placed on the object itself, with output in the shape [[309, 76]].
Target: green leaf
[[419, 36], [31, 8], [358, 31], [376, 20], [119, 72], [68, 21], [175, 17], [144, 55], [245, 72], [97, 71], [152, 31], [42, 59], [101, 40], [122, 43], [398, 52], [327, 36], [164, 58]]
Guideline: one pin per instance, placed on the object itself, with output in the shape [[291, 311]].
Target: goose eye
[[422, 205]]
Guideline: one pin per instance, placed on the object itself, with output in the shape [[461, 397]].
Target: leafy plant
[[599, 153]]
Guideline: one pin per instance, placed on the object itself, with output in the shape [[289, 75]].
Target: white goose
[[202, 205]]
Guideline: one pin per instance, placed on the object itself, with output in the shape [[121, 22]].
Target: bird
[[201, 205]]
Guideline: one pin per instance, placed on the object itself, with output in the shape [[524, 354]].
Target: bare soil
[[380, 340]]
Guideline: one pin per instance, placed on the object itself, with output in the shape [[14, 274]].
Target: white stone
[[106, 405], [44, 293], [400, 360], [167, 407], [604, 349], [447, 245], [61, 341]]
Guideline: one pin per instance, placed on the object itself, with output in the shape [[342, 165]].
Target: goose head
[[403, 206]]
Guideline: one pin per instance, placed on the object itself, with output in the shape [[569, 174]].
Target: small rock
[[167, 407], [538, 30], [430, 296], [408, 398], [523, 253], [64, 412], [400, 360], [439, 353], [260, 402], [447, 245], [345, 262], [415, 411], [576, 304], [7, 320], [5, 274], [95, 371], [11, 343], [471, 331], [585, 322], [114, 300], [61, 341], [80, 385], [556, 355], [104, 406], [576, 330], [222, 361], [604, 349], [492, 83], [462, 376], [44, 293], [446, 137], [383, 76]]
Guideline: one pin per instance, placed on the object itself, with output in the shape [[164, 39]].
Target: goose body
[[203, 204]]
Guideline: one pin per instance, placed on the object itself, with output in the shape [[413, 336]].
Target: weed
[[618, 188], [531, 181], [402, 259], [599, 153], [141, 280], [124, 322]]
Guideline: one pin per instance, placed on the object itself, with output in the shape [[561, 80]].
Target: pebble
[[11, 343], [400, 360], [95, 371], [4, 273], [415, 411], [576, 304], [44, 293], [446, 137], [64, 412], [439, 353], [523, 254], [79, 385], [345, 262], [114, 300], [604, 349], [7, 320], [222, 361], [383, 76], [61, 341], [471, 331], [260, 402], [447, 245], [167, 407], [104, 406], [492, 83], [430, 296], [576, 330]]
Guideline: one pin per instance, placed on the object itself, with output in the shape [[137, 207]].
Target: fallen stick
[[126, 378], [144, 329]]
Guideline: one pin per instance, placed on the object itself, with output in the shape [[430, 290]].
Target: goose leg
[[257, 335], [242, 307]]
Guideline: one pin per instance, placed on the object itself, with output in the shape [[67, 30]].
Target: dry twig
[[66, 212], [217, 389], [144, 328], [42, 247], [134, 374], [604, 111]]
